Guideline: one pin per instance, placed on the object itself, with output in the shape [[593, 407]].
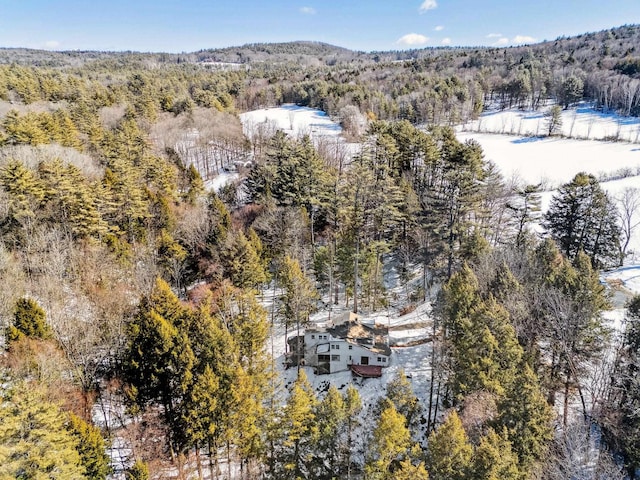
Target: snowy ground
[[293, 120], [413, 360], [220, 181], [582, 122], [554, 161], [296, 121]]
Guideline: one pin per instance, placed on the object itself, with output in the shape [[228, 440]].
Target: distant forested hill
[[432, 85]]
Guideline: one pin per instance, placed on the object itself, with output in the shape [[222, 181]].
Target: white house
[[340, 347]]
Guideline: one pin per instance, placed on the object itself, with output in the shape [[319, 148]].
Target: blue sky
[[189, 25]]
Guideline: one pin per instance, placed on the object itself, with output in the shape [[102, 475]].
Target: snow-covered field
[[582, 122], [296, 121], [554, 161], [293, 120]]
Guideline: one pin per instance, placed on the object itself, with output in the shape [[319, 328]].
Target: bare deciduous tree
[[628, 203]]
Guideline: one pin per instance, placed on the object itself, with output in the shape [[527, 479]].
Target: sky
[[367, 25]]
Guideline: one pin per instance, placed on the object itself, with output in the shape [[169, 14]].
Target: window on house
[[364, 360], [384, 359], [335, 358], [349, 357], [350, 347], [313, 337], [380, 359], [323, 358]]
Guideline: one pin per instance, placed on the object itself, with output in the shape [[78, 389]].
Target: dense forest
[[133, 291]]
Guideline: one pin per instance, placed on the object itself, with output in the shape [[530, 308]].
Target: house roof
[[372, 338]]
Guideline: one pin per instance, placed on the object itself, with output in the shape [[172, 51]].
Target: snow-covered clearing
[[293, 120], [220, 180], [297, 121], [553, 161], [582, 122]]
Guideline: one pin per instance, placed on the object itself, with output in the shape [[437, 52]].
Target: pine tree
[[300, 428], [159, 362], [91, 447], [353, 407], [624, 428], [34, 441], [390, 443], [488, 352], [582, 217], [29, 320], [242, 264], [494, 459], [448, 451], [299, 296], [247, 418], [408, 471], [526, 416], [554, 120], [461, 295], [199, 411], [138, 471], [26, 192], [400, 393], [331, 416], [525, 209]]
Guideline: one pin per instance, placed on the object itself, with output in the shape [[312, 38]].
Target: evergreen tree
[[526, 416], [448, 451], [461, 295], [34, 441], [138, 471], [554, 120], [390, 444], [582, 217], [331, 416], [621, 419], [298, 300], [494, 459], [247, 418], [29, 320], [400, 393], [91, 447], [26, 192], [299, 429], [242, 264], [525, 209], [353, 406]]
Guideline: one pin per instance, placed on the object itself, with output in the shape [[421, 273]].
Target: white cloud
[[413, 39], [446, 41], [308, 10], [501, 42], [523, 39], [494, 35], [428, 5], [51, 44], [439, 28]]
